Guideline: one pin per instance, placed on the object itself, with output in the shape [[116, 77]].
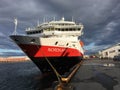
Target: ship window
[[31, 33], [56, 43], [67, 44], [78, 28], [112, 51], [55, 28], [66, 29], [48, 29], [73, 29], [118, 50], [70, 29], [36, 32], [41, 30], [73, 45], [27, 32]]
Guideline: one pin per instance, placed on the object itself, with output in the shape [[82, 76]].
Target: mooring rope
[[55, 71]]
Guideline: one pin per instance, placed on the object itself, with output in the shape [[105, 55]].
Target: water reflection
[[24, 76], [44, 82]]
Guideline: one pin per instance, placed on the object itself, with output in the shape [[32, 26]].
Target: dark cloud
[[101, 19]]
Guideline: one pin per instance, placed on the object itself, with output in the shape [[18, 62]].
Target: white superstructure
[[56, 28], [58, 33]]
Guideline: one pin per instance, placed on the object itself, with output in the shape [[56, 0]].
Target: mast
[[38, 23]]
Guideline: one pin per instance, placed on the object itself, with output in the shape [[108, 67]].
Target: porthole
[[56, 43], [32, 41]]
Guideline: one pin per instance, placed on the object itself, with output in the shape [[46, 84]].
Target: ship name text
[[56, 49]]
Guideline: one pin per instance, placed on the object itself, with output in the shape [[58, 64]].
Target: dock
[[14, 59]]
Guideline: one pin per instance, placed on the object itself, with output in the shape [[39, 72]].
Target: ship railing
[[30, 29]]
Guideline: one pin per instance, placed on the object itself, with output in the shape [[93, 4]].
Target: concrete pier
[[14, 59]]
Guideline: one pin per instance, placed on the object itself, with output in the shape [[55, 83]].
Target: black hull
[[61, 64]]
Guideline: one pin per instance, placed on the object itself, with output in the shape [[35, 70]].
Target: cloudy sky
[[101, 19]]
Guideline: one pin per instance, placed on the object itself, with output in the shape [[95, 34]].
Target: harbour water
[[93, 75], [23, 76]]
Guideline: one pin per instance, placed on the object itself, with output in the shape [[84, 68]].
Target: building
[[110, 52]]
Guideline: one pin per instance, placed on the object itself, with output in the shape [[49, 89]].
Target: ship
[[53, 46]]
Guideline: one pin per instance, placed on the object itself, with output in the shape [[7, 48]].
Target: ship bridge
[[57, 28]]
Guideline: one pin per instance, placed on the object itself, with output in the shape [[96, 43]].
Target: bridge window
[[118, 50], [28, 32], [70, 29], [58, 29], [36, 32], [66, 29], [74, 29], [33, 32], [78, 28]]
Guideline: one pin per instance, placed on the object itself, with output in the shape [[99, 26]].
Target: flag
[[81, 43], [15, 21]]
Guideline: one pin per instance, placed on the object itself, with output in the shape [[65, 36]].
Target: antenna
[[38, 23], [72, 19], [15, 30], [54, 18], [44, 19]]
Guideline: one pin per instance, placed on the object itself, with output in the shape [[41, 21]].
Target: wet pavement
[[92, 75], [98, 75]]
